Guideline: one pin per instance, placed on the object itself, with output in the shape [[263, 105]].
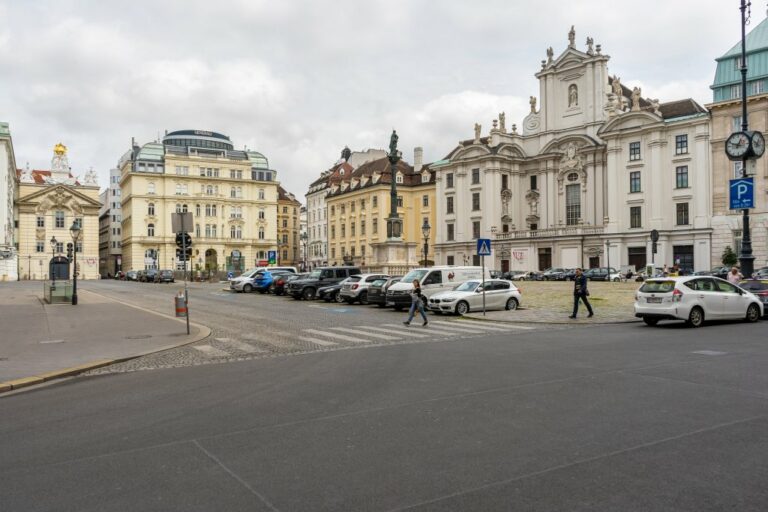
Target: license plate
[[653, 300]]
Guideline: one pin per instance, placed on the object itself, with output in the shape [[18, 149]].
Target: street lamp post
[[75, 232], [54, 242], [746, 258], [304, 238], [425, 228]]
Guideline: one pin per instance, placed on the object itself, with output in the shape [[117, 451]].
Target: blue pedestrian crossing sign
[[483, 246], [742, 193]]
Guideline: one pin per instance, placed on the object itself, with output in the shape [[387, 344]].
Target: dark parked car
[[600, 273], [148, 276], [760, 288], [554, 274], [131, 275], [164, 276], [278, 287], [332, 293], [377, 292], [324, 276]]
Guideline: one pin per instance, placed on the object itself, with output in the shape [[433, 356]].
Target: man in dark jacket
[[580, 292]]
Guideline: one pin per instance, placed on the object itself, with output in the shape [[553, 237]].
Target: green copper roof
[[4, 129], [151, 151], [757, 39], [258, 161]]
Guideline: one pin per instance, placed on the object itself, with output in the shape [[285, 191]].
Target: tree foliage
[[729, 257]]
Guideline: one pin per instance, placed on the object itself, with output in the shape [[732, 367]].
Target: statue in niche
[[550, 55], [572, 37], [478, 129], [503, 122], [573, 95], [590, 42], [506, 196], [636, 99], [532, 101]]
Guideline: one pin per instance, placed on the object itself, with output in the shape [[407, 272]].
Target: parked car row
[[446, 289]]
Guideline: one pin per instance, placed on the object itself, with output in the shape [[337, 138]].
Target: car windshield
[[378, 282], [657, 287], [315, 274], [469, 286], [754, 286], [414, 274]]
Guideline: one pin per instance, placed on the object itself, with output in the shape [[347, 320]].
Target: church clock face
[[758, 144]]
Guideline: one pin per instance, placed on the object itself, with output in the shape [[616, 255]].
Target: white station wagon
[[468, 296], [695, 299]]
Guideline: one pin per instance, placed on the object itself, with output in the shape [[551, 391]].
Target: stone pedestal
[[395, 257]]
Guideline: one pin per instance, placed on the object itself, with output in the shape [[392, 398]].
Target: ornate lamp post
[[425, 228], [75, 232], [394, 223], [54, 242], [304, 238]]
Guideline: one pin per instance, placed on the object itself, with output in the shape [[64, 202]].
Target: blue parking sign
[[742, 193], [483, 246]]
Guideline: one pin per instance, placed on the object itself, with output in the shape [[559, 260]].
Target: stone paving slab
[[41, 342]]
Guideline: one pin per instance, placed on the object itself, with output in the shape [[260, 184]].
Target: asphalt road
[[252, 325], [623, 417]]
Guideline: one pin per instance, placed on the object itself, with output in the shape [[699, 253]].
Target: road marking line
[[240, 345], [485, 327], [364, 333], [317, 341], [448, 326], [211, 351], [407, 333], [430, 329], [335, 335]]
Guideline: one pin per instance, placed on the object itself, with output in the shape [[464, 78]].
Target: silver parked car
[[358, 291], [468, 296]]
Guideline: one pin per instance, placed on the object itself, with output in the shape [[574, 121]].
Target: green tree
[[729, 257]]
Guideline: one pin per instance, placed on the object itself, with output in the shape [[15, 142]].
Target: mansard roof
[[359, 178], [680, 108]]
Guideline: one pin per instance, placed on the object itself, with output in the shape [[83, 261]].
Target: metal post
[[746, 259], [482, 260], [74, 278], [184, 252]]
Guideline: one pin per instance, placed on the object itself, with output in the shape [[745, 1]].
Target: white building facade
[[8, 253], [592, 173]]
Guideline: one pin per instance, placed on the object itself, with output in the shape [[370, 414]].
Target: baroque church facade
[[589, 175]]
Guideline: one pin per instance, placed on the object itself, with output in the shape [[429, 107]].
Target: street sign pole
[[184, 251], [483, 250], [482, 259]]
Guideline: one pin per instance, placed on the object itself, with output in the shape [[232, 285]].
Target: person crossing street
[[580, 292], [416, 302]]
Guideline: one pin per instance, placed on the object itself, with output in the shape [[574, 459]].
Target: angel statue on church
[[90, 177]]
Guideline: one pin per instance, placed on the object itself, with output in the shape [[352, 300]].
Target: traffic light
[[183, 239], [653, 248], [70, 248], [180, 254]]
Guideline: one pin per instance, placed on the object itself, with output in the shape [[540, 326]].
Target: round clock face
[[758, 144], [737, 144]]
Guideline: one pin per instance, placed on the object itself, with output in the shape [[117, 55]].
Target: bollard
[[181, 305]]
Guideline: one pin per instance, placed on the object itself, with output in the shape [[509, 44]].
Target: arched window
[[231, 231], [151, 187], [238, 232], [197, 230], [150, 230], [261, 193], [239, 192], [184, 208], [261, 233], [178, 208], [209, 190], [151, 209], [197, 210], [233, 192]]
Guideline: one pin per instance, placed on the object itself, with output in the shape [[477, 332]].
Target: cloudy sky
[[299, 80]]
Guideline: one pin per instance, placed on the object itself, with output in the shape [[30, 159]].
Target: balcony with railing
[[551, 232]]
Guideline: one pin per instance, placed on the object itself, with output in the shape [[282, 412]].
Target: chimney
[[418, 159]]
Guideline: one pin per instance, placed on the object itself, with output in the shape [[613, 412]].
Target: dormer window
[[425, 177], [399, 178]]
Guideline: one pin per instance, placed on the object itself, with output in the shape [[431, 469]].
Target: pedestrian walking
[[416, 302], [734, 276], [580, 292]]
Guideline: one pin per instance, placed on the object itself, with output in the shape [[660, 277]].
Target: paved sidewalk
[[40, 341]]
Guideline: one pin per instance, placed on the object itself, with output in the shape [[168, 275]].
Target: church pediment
[[562, 144], [629, 121], [470, 152], [59, 195], [510, 150]]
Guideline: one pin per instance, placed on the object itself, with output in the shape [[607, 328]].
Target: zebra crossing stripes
[[483, 327], [364, 333], [426, 330], [403, 331], [335, 335], [451, 326], [318, 341]]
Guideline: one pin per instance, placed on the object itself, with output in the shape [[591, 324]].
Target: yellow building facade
[[47, 203], [231, 194], [359, 204], [288, 210]]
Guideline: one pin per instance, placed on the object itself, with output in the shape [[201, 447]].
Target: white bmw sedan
[[695, 299], [468, 296]]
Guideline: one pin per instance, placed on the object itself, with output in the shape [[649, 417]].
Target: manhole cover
[[138, 337]]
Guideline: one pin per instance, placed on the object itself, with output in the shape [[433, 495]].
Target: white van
[[433, 280]]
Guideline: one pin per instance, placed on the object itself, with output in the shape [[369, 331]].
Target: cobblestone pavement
[[250, 326]]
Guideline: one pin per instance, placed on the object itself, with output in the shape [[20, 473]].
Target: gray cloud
[[298, 80]]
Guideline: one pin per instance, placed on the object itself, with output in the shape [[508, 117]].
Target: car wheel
[[753, 313], [247, 288], [462, 308], [511, 304], [696, 317], [339, 299], [650, 321], [271, 288], [363, 299], [380, 305], [308, 293], [521, 279], [398, 308], [616, 279]]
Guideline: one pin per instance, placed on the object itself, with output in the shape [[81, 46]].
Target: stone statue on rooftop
[[478, 129], [532, 101], [636, 99], [572, 37]]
